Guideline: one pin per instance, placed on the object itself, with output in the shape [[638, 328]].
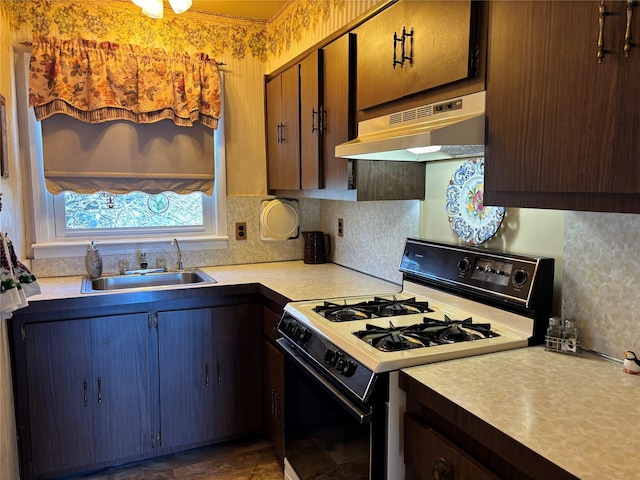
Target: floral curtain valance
[[101, 81]]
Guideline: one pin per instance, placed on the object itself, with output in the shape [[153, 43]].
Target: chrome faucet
[[175, 242]]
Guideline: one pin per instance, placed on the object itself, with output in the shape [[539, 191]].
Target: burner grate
[[376, 308], [431, 332]]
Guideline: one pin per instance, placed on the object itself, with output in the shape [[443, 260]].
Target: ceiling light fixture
[[155, 8]]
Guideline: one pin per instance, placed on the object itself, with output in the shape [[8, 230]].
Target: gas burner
[[430, 332], [378, 307]]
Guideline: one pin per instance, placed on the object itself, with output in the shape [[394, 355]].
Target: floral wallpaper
[[121, 21]]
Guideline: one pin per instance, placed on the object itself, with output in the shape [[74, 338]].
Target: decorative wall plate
[[279, 219], [469, 218]]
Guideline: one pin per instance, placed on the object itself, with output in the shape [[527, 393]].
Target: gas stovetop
[[455, 301], [501, 329]]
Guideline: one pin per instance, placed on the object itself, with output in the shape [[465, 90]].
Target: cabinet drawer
[[429, 455], [270, 321]]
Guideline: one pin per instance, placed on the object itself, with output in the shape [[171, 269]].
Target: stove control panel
[[477, 271]]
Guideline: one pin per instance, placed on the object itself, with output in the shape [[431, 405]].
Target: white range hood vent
[[439, 131]]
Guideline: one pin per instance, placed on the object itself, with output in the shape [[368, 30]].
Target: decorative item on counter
[[631, 363], [16, 281], [93, 261], [469, 218], [562, 334]]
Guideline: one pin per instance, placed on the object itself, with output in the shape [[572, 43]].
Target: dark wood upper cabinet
[[338, 123], [283, 130], [311, 112], [411, 47], [562, 127]]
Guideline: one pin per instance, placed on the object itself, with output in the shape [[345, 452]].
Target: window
[[81, 213], [63, 224]]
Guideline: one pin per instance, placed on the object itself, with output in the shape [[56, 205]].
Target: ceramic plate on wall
[[279, 219], [469, 218]]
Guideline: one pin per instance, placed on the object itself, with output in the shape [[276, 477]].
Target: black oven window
[[321, 439]]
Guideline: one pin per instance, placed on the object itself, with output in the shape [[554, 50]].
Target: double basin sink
[[144, 280]]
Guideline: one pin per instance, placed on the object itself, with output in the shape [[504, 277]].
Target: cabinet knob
[[442, 470]]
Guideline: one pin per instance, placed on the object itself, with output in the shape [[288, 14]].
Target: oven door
[[327, 433]]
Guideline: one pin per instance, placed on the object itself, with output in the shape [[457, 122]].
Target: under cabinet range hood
[[439, 131]]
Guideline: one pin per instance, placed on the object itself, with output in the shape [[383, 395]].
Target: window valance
[[101, 81]]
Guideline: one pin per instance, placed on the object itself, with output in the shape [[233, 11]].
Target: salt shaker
[[570, 336], [554, 334]]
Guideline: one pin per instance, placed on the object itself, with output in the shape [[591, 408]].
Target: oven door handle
[[362, 416]]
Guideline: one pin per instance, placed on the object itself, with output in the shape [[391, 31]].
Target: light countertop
[[292, 279], [581, 413]]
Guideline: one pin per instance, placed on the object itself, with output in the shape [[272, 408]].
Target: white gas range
[[456, 301]]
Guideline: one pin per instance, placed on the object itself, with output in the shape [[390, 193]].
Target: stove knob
[[346, 367], [520, 277], [330, 357], [464, 265], [303, 335], [349, 368]]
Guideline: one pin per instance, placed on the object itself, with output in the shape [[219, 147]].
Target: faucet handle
[[123, 266]]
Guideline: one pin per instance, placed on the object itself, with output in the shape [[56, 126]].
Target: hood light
[[428, 149]]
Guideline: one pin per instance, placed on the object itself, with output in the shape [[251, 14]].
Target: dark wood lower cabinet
[[272, 381], [89, 391], [185, 347], [152, 378], [429, 455], [446, 442]]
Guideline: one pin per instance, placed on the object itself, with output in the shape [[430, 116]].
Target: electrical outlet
[[241, 230], [340, 227]]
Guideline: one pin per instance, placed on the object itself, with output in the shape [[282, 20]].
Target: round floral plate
[[469, 218]]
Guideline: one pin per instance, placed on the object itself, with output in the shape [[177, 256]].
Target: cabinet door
[[284, 144], [428, 455], [411, 47], [558, 121], [61, 395], [122, 386], [379, 79], [339, 109], [237, 373], [187, 374], [273, 387], [440, 46], [274, 127], [310, 121]]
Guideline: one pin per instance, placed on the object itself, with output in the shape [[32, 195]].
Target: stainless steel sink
[[145, 280]]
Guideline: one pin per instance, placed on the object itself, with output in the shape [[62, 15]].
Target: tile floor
[[237, 461]]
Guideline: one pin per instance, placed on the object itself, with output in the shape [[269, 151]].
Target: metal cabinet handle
[[277, 405], [403, 49], [602, 12], [313, 120], [99, 391], [404, 39], [627, 33], [396, 40], [84, 388], [323, 119], [218, 372], [273, 403], [206, 374], [281, 127]]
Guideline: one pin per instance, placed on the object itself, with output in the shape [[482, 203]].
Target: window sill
[[78, 248]]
